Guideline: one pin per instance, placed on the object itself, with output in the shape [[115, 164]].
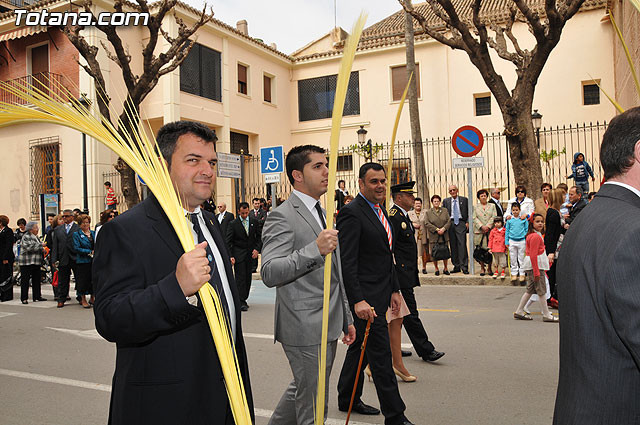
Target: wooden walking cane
[[355, 384]]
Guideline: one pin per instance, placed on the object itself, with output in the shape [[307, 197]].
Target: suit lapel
[[162, 226], [304, 212]]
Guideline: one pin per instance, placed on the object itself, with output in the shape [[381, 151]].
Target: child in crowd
[[580, 172], [536, 263], [515, 234], [497, 246], [565, 205]]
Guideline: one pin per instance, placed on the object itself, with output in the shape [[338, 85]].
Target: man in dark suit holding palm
[[598, 269], [366, 243], [167, 366], [244, 241], [458, 207]]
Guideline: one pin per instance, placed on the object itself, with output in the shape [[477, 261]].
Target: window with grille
[[482, 104], [345, 162], [315, 97], [399, 81], [268, 87], [590, 94], [45, 169], [239, 143], [243, 86], [200, 73], [401, 171]]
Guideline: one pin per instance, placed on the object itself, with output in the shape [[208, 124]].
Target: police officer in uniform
[[406, 257]]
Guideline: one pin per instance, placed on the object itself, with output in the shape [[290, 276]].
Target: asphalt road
[[55, 368]]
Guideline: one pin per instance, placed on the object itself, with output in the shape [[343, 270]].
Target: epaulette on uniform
[[393, 212]]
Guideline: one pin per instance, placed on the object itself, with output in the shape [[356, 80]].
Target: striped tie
[[385, 224]]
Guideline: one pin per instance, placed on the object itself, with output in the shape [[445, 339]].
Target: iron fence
[[48, 83], [557, 146]]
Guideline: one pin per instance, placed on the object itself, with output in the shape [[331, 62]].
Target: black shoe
[[437, 272], [446, 272], [25, 302], [455, 270], [68, 298], [465, 271], [405, 353], [424, 271], [433, 356], [40, 299], [360, 407], [244, 307], [406, 421]]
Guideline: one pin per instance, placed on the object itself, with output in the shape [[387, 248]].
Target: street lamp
[[536, 118], [362, 136], [85, 103]]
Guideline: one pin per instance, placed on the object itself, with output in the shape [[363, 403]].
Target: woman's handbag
[[440, 250], [480, 254], [6, 289]]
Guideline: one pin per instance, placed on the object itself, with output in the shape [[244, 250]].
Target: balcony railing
[[46, 82], [15, 4]]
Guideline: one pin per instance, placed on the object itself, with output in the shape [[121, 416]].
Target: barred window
[[482, 104], [239, 143], [316, 95], [401, 171], [45, 169], [200, 73], [345, 162], [591, 94]]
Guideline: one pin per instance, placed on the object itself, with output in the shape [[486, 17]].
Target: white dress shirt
[[310, 203], [219, 264]]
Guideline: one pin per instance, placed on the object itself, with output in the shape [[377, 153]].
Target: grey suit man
[[599, 292], [63, 256], [458, 207], [294, 249]]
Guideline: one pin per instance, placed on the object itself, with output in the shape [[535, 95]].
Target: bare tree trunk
[[414, 113]]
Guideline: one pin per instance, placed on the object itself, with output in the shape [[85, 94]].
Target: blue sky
[[293, 23]]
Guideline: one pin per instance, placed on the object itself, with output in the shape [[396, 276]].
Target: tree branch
[[455, 42], [533, 19]]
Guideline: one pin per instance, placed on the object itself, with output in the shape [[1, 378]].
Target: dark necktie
[[319, 210], [215, 279]]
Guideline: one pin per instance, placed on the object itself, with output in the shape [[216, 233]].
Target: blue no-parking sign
[[467, 141], [271, 160]]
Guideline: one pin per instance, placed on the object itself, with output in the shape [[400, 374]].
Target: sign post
[[467, 142], [271, 165]]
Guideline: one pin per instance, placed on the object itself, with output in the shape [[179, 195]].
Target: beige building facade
[[255, 96]]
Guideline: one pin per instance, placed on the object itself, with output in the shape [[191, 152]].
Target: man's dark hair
[[50, 215], [169, 133], [418, 199], [369, 166], [107, 183], [77, 210], [578, 189], [341, 181], [243, 205], [298, 157], [618, 143], [591, 195], [21, 221], [255, 199]]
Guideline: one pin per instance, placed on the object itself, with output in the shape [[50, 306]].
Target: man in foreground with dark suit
[[406, 256], [600, 291], [366, 244], [167, 367], [458, 207], [62, 255], [244, 242], [224, 217]]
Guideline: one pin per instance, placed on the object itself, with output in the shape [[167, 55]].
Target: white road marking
[[263, 413], [88, 334], [5, 314]]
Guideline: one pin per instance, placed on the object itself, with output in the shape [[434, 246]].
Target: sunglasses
[[520, 191]]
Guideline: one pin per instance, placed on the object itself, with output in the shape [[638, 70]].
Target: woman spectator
[[83, 243], [30, 261], [6, 249], [105, 216], [553, 226], [437, 222], [483, 214], [542, 204], [526, 204]]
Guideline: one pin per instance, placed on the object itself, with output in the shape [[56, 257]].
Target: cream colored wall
[[448, 82]]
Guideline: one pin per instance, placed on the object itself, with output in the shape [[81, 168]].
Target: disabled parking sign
[[271, 160], [467, 141]]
